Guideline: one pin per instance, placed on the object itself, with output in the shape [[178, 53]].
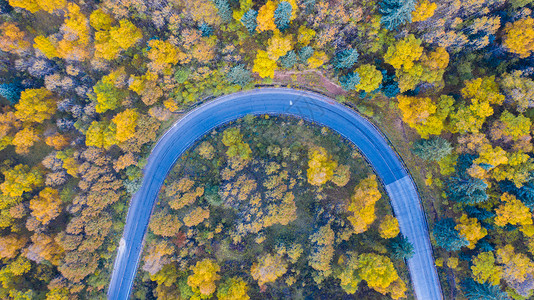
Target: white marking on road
[[290, 102]]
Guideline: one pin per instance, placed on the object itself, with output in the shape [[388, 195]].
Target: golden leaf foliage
[[181, 193], [234, 288], [47, 206], [109, 43], [57, 141], [362, 204], [265, 17], [100, 20], [34, 6], [423, 10], [35, 105], [25, 139], [512, 211], [321, 167], [404, 53], [164, 223], [20, 179], [44, 45], [205, 273], [279, 45], [12, 38], [126, 122], [163, 55], [516, 266], [101, 134], [305, 35], [389, 227], [11, 244], [196, 216], [268, 268], [471, 229], [76, 37], [263, 65], [519, 37], [485, 270], [370, 78]]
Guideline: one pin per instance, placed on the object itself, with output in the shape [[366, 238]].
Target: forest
[[87, 87], [302, 217]]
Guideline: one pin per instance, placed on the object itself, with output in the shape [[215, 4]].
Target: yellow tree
[[470, 118], [485, 270], [362, 204], [51, 5], [47, 206], [370, 78], [379, 273], [389, 227], [100, 20], [205, 273], [234, 288], [279, 45], [471, 229], [321, 167], [25, 139], [515, 126], [11, 244], [35, 105], [110, 41], [126, 34], [164, 223], [107, 91], [415, 110], [20, 179], [12, 38], [512, 211], [423, 10], [483, 89], [57, 141], [105, 46], [34, 6], [268, 269], [29, 5], [519, 37], [516, 266], [76, 35], [196, 216], [404, 53], [100, 134], [44, 45], [265, 17], [126, 121], [491, 156], [263, 65], [163, 55], [181, 193]]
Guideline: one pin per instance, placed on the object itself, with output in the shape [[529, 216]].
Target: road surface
[[312, 107]]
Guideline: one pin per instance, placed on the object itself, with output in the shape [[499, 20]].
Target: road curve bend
[[310, 106]]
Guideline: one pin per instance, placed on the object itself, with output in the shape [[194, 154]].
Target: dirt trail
[[311, 78]]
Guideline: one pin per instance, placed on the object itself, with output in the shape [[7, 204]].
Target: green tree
[[433, 149], [249, 20], [234, 288], [447, 237], [475, 291], [282, 15], [239, 75], [345, 59]]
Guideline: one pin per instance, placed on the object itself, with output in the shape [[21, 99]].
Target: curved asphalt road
[[313, 107]]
